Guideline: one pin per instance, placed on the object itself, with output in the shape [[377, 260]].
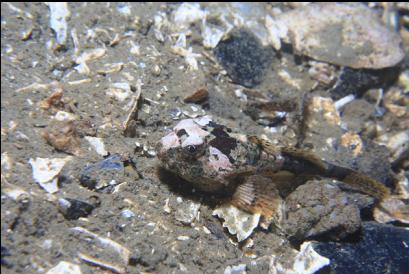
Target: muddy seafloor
[[35, 235]]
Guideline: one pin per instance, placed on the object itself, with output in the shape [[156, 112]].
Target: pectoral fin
[[259, 195]]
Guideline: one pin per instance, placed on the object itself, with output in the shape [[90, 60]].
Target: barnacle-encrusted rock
[[346, 34]]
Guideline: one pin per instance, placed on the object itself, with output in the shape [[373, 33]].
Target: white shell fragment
[[120, 91], [346, 34], [86, 56], [45, 172], [238, 222], [14, 192], [186, 14], [59, 13], [104, 243], [64, 267], [306, 261], [187, 214], [97, 144], [236, 269]]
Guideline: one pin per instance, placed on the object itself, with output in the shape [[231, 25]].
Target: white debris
[[124, 9], [14, 192], [7, 163], [97, 144], [64, 267], [211, 36], [104, 243], [306, 261], [343, 101], [186, 14], [135, 49], [86, 56], [120, 91], [236, 269], [238, 222], [126, 213], [59, 14], [187, 214], [276, 31], [102, 264], [46, 170], [160, 20], [64, 116]]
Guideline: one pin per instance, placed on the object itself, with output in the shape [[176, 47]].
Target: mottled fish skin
[[208, 156]]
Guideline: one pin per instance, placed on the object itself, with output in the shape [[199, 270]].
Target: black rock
[[382, 249], [244, 58], [103, 174], [358, 81], [73, 209]]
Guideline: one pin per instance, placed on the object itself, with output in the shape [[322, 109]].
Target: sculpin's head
[[206, 155]]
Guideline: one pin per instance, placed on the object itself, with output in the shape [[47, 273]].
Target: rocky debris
[[236, 269], [5, 253], [393, 209], [65, 268], [358, 81], [46, 171], [381, 248], [244, 58], [345, 34], [187, 213], [103, 175], [324, 133], [321, 209], [198, 96], [307, 260], [63, 136], [72, 209], [238, 222], [101, 251], [97, 144]]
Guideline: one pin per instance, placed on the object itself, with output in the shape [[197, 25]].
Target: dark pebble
[[382, 249], [101, 172], [358, 81], [5, 253], [244, 58], [73, 209]]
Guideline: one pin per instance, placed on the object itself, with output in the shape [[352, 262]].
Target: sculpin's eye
[[193, 151]]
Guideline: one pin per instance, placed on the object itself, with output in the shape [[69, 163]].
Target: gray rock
[[321, 208]]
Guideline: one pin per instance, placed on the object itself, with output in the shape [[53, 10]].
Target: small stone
[[198, 96], [63, 136], [65, 268], [103, 174], [236, 269], [126, 213], [73, 209], [244, 58], [187, 214]]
